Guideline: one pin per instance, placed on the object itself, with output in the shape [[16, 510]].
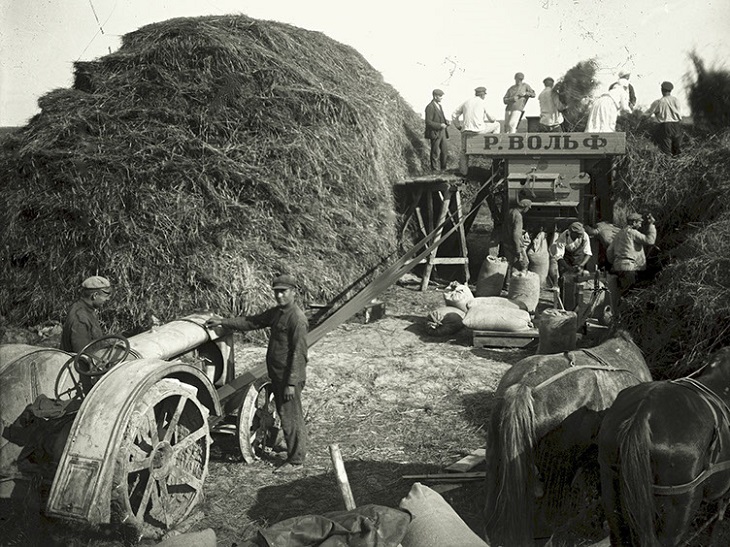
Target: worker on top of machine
[[286, 362], [626, 252], [551, 118], [514, 239], [572, 249], [475, 120], [515, 100], [82, 323]]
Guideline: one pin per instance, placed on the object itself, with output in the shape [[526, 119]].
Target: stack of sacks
[[497, 314], [539, 257], [525, 287], [448, 318]]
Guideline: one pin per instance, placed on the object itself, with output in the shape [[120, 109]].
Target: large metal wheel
[[163, 459], [258, 422]]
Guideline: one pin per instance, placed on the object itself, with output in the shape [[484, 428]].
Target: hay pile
[[201, 158], [574, 89], [685, 313]]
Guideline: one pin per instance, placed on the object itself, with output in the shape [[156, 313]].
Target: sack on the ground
[[435, 523], [497, 318], [495, 301], [525, 287], [539, 257], [444, 321], [558, 331], [491, 276], [458, 295]]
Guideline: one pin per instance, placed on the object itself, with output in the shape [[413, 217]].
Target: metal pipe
[[173, 338]]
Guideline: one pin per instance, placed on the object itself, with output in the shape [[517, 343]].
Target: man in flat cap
[[667, 112], [551, 119], [437, 131], [626, 251], [515, 100], [514, 241], [472, 118], [82, 324], [286, 362], [572, 249]]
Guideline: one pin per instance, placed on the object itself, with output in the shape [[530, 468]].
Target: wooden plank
[[469, 462], [449, 260], [449, 477], [496, 339], [547, 144]]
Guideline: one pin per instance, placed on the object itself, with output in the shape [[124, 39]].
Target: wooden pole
[[341, 475]]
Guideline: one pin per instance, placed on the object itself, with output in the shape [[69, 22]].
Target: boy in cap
[[551, 119], [286, 362], [82, 324], [626, 251], [475, 120], [667, 112], [436, 131], [572, 249], [515, 100]]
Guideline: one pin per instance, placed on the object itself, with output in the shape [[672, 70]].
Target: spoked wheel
[[163, 459], [258, 422], [68, 384]]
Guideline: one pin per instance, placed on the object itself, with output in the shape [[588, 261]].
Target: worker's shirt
[[666, 109], [81, 327], [511, 99], [514, 232], [550, 107], [474, 113], [626, 252], [286, 356], [573, 249]]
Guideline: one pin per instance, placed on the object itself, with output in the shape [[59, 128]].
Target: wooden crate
[[497, 339]]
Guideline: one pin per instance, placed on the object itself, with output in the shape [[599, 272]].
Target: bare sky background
[[455, 45]]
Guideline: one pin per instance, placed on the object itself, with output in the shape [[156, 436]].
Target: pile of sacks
[[485, 309]]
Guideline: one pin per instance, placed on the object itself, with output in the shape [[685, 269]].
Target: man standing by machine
[[82, 323], [514, 244], [667, 112], [626, 252], [572, 249], [475, 120], [437, 131], [515, 100], [286, 362]]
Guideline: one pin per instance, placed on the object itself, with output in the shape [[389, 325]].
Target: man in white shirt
[[475, 120], [667, 112], [572, 250], [550, 106]]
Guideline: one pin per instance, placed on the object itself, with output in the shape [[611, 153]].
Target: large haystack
[[201, 158]]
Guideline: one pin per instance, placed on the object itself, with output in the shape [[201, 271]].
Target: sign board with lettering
[[542, 144]]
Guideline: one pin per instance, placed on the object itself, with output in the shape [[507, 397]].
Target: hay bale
[[204, 156]]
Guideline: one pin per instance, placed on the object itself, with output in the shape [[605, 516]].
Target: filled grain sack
[[497, 318], [458, 295], [444, 321], [558, 331], [434, 522], [539, 257], [491, 276], [525, 287], [495, 301]]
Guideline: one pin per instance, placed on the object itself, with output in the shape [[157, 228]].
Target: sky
[[455, 45]]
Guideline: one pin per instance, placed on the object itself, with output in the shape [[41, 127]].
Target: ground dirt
[[396, 401]]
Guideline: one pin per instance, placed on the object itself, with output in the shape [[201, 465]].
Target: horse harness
[[572, 367], [721, 415]]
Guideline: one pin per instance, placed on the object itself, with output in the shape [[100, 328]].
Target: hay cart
[[136, 450]]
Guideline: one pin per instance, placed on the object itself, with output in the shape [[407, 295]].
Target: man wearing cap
[[82, 324], [514, 242], [286, 362], [667, 112], [551, 119], [436, 131], [625, 75], [626, 251], [572, 249], [475, 120], [515, 100]]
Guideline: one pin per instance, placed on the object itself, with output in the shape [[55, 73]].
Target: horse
[[533, 399], [663, 448]]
